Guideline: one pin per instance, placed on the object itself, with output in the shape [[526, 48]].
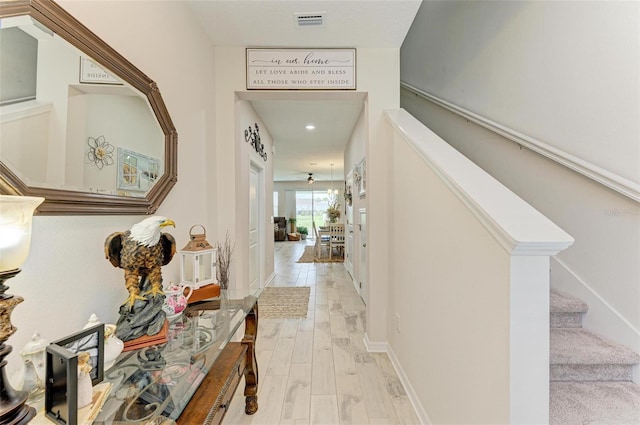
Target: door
[[348, 252], [362, 269], [254, 227]]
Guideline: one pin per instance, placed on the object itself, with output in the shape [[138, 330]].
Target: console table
[[192, 378]]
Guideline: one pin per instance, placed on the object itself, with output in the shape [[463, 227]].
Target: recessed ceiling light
[[310, 127]]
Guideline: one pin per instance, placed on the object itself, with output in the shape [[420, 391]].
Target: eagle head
[[147, 232]]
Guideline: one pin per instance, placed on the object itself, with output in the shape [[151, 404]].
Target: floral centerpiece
[[333, 212]]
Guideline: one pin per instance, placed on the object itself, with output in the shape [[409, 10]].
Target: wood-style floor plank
[[316, 370]]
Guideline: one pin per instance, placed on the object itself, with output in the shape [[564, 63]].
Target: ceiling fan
[[310, 179]]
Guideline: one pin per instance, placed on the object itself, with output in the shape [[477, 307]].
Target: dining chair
[[321, 240], [336, 238]]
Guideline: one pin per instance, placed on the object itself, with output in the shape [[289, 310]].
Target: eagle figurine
[[141, 251]]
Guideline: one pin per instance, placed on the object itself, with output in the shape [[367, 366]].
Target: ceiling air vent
[[310, 19]]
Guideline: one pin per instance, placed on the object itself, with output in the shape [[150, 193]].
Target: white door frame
[[363, 260], [260, 199]]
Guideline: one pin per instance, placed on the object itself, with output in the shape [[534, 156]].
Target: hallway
[[317, 370]]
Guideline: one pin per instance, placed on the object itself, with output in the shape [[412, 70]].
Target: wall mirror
[[79, 124]]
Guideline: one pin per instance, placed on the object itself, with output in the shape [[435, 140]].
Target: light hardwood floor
[[317, 370]]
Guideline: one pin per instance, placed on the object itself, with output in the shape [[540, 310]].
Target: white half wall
[[437, 313], [471, 295], [602, 266]]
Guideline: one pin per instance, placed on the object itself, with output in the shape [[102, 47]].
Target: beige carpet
[[309, 256], [287, 302]]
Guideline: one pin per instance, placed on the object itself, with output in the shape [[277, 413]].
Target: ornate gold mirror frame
[[68, 202]]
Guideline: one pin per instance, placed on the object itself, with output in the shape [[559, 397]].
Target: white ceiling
[[299, 151], [267, 23]]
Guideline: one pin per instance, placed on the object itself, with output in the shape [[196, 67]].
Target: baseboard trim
[[607, 178], [375, 346], [270, 279], [355, 286], [384, 347], [411, 394]]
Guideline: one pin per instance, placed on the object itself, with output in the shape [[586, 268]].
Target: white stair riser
[[584, 372], [566, 320]]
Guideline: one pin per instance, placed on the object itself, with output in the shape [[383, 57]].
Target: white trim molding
[[22, 110], [375, 346], [607, 178], [270, 279], [384, 347], [517, 226], [569, 281], [411, 393]]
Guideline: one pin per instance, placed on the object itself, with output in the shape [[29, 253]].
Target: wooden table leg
[[251, 372]]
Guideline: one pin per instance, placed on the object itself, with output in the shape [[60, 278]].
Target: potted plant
[[303, 232], [292, 221]]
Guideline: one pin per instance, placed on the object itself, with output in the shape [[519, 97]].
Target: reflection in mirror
[[93, 138]]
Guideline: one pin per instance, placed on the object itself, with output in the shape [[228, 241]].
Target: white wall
[[564, 72], [474, 286], [602, 266], [246, 117], [353, 155], [378, 74], [570, 91], [233, 115], [66, 277], [124, 122], [22, 146], [450, 288], [37, 145]]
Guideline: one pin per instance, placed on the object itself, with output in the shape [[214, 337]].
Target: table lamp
[[16, 214]]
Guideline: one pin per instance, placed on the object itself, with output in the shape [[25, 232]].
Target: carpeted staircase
[[590, 376]]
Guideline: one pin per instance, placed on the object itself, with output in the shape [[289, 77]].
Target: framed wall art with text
[[301, 69]]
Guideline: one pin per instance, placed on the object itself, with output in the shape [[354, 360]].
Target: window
[[275, 204], [19, 53], [311, 206]]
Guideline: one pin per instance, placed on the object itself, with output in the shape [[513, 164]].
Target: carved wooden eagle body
[[141, 251]]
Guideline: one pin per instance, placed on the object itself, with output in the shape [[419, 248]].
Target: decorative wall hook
[[253, 136]]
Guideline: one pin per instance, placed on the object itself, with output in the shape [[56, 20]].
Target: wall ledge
[[22, 110], [611, 180], [518, 227]]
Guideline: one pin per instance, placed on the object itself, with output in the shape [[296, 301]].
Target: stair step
[[566, 310], [611, 403], [580, 355]]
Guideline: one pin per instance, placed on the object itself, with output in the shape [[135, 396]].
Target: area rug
[[286, 302], [309, 257]]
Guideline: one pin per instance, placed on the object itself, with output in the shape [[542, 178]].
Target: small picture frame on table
[[61, 384]]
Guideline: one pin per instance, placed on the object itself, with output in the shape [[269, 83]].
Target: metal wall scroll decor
[[253, 136]]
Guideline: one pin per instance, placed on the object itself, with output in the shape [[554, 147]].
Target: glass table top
[[158, 381]]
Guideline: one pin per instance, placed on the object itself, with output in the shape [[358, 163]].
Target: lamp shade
[[16, 216]]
